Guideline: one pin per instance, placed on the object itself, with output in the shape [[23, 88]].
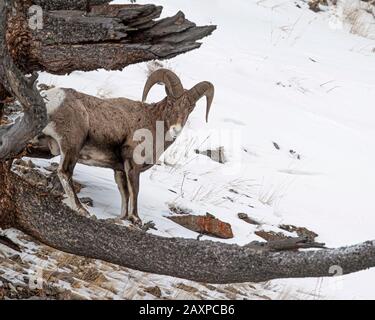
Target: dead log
[[68, 4], [46, 219], [106, 36]]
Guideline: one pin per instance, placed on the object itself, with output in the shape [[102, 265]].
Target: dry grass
[[271, 194], [357, 16]]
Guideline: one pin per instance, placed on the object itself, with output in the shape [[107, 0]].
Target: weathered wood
[[7, 206], [61, 59], [14, 138], [72, 27], [108, 36], [3, 96], [131, 15], [46, 219], [292, 244], [68, 4]]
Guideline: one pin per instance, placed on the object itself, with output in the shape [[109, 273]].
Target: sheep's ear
[[202, 89]]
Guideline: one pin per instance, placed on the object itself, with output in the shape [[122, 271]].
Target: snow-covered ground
[[283, 75]]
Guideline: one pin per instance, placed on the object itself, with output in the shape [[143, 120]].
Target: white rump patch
[[54, 143], [53, 98], [50, 130]]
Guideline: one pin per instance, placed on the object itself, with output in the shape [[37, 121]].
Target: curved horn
[[202, 89], [172, 83]]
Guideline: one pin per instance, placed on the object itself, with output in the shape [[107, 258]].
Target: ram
[[103, 133]]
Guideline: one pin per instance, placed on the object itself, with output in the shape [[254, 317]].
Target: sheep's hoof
[[136, 221], [83, 212]]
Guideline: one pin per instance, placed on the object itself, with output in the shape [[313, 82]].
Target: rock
[[271, 235], [208, 225], [23, 292], [155, 291], [314, 5], [295, 154], [186, 288], [246, 218], [301, 231], [148, 226], [174, 208], [217, 155]]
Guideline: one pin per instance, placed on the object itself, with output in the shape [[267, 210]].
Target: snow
[[282, 74]]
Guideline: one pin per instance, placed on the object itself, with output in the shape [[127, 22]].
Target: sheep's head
[[183, 101]]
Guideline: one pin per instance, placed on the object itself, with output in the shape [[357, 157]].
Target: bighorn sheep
[[100, 132]]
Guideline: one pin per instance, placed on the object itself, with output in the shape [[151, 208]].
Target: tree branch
[[108, 36], [14, 138], [68, 4], [45, 218]]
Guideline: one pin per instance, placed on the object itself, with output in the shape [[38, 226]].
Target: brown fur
[[100, 132]]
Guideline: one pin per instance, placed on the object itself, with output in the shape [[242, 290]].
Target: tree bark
[[68, 4], [46, 219], [3, 95], [7, 206], [105, 36]]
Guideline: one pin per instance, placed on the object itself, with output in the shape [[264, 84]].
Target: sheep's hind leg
[[122, 183], [132, 175], [65, 173]]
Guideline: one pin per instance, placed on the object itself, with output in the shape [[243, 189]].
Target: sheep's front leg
[[132, 175], [65, 173], [122, 183]]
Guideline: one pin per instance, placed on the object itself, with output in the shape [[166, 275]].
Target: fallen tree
[[43, 216]]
